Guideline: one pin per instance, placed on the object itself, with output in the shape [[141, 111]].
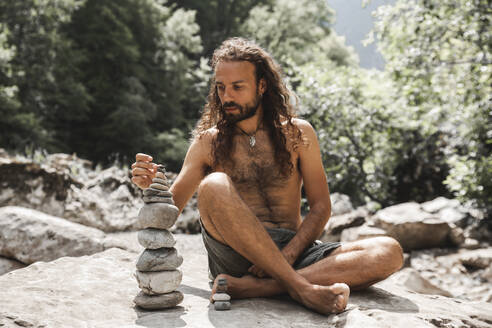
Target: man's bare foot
[[322, 299]]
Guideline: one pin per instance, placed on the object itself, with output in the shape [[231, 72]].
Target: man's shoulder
[[206, 136], [306, 129]]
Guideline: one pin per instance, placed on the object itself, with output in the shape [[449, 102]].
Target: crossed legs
[[321, 286]]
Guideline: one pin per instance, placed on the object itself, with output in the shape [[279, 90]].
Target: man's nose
[[227, 96]]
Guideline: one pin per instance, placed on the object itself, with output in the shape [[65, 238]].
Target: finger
[[139, 172], [143, 157], [146, 165]]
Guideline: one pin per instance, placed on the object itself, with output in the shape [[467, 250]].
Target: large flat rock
[[29, 236], [98, 291]]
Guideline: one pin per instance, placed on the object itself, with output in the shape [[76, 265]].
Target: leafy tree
[[136, 65], [297, 32], [439, 55], [219, 19], [36, 69], [16, 129]]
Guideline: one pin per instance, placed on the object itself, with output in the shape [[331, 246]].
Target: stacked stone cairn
[[157, 267], [222, 300]]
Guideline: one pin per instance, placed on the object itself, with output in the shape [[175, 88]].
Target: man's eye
[[220, 88], [237, 87]]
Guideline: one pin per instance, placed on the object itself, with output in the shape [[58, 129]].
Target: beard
[[245, 112]]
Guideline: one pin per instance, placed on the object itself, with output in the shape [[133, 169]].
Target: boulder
[[413, 227], [336, 224], [66, 186], [7, 265], [362, 232], [340, 204], [98, 291], [29, 236]]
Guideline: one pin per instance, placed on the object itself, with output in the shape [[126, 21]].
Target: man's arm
[[318, 195]]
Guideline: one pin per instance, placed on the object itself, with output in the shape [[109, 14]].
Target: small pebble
[[160, 181], [159, 186], [157, 199], [221, 297], [221, 306], [160, 175], [157, 192]]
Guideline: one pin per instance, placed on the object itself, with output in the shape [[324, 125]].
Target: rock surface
[[100, 290], [29, 236]]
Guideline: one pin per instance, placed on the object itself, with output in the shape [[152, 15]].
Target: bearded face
[[234, 112]]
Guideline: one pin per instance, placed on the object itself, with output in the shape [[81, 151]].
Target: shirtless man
[[248, 159]]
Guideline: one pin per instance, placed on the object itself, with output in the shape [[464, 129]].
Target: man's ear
[[262, 86]]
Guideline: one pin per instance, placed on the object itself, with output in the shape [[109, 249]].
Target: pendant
[[252, 141]]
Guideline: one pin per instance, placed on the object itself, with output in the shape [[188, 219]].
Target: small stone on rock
[[159, 259], [156, 302], [157, 192], [221, 297], [160, 181], [157, 215], [155, 238], [161, 282], [159, 186], [158, 199], [221, 306], [160, 175]]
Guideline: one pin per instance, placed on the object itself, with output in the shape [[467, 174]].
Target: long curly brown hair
[[276, 104]]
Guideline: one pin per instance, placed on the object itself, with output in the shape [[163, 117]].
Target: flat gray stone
[[160, 175], [157, 192], [160, 181], [29, 236], [155, 238], [221, 306], [161, 282], [159, 259], [157, 302], [221, 297], [159, 186], [157, 215], [157, 199]]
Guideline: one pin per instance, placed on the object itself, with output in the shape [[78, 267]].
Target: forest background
[[106, 79]]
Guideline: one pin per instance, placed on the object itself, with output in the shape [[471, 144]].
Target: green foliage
[[171, 148], [298, 32], [439, 55], [364, 134], [219, 19]]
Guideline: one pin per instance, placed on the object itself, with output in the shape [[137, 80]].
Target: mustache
[[231, 104]]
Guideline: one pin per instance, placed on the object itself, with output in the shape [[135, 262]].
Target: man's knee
[[391, 252], [213, 185]]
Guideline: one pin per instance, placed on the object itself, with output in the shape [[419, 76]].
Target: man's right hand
[[143, 170]]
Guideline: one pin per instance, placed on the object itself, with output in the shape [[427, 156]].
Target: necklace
[[252, 137]]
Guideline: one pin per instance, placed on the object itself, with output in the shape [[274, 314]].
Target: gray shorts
[[224, 259]]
